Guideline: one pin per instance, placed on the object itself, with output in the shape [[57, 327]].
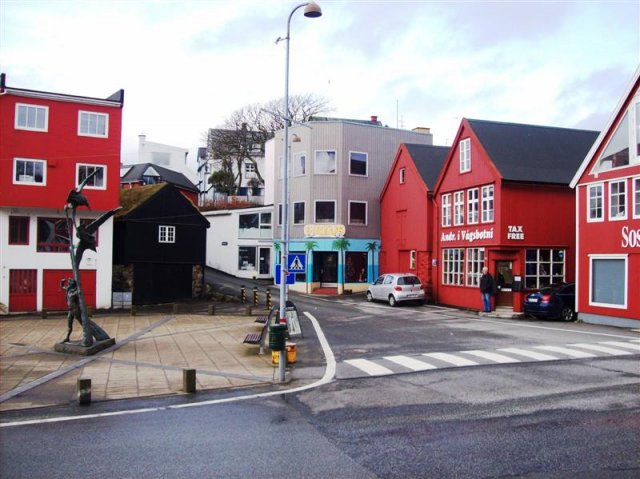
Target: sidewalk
[[147, 360]]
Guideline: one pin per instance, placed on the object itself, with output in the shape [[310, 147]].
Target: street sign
[[296, 263], [291, 278]]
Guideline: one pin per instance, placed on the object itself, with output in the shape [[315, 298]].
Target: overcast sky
[[186, 65]]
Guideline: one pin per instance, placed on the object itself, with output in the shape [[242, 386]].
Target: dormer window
[[465, 155]]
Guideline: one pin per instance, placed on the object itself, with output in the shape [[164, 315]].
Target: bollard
[[212, 309], [84, 391], [44, 314], [243, 294], [176, 308], [133, 310], [248, 310], [189, 380], [269, 303], [255, 296]]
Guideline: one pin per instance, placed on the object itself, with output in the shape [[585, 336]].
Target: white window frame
[[27, 182], [458, 208], [624, 257], [315, 162], [315, 212], [296, 156], [26, 126], [402, 175], [453, 260], [91, 133], [473, 206], [590, 217], [464, 148], [446, 210], [366, 213], [475, 262], [88, 185], [304, 212], [488, 202], [622, 182], [166, 234], [635, 187], [366, 163]]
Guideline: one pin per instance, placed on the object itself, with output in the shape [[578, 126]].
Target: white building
[[171, 157]]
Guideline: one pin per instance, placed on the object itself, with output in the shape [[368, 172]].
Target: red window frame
[[19, 230]]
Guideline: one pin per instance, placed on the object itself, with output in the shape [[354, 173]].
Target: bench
[[258, 337], [262, 319]]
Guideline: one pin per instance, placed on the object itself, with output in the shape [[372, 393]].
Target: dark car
[[557, 301]]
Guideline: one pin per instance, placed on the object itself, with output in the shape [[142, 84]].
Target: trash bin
[[277, 337], [292, 354]]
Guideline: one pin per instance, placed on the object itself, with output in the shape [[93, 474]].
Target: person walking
[[487, 289]]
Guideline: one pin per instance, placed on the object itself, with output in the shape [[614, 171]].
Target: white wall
[[172, 157]]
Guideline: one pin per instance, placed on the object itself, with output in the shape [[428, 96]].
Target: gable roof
[[429, 160], [539, 154], [137, 171]]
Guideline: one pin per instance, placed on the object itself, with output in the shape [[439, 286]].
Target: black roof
[[540, 154], [429, 160], [136, 172]]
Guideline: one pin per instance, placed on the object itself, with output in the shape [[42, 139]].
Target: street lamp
[[311, 10]]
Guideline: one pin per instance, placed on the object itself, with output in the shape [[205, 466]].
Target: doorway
[[504, 280], [264, 265], [325, 269]]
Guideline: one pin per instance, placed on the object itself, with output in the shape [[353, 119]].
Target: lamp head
[[312, 10]]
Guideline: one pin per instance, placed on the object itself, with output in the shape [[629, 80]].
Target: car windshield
[[408, 280]]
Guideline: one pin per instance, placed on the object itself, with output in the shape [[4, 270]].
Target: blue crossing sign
[[296, 263]]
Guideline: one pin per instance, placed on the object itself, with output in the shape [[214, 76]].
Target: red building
[[406, 211], [608, 219], [50, 142], [503, 200]]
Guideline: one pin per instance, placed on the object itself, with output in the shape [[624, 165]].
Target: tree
[[342, 245], [372, 246], [309, 246]]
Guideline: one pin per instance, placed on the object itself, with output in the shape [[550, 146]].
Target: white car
[[396, 287]]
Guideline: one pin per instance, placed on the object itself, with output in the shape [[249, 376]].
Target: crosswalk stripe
[[369, 367], [410, 363], [569, 352], [451, 359], [601, 349], [619, 344], [529, 354], [498, 358]]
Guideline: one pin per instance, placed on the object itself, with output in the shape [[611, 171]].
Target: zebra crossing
[[398, 364]]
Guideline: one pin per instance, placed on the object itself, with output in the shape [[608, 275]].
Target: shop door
[[504, 280], [23, 289], [325, 269], [264, 266]]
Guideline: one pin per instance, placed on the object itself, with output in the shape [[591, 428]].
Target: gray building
[[337, 168]]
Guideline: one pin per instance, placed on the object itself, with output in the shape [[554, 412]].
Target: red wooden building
[[608, 219], [503, 200], [406, 211], [49, 143]]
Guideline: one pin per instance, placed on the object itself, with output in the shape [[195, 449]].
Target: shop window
[[618, 200], [355, 267], [358, 163], [475, 263], [472, 206], [166, 234], [96, 174], [595, 198], [357, 212], [298, 213], [31, 117], [608, 281], [53, 235], [458, 208], [465, 155], [300, 164], [247, 258], [487, 204], [29, 172], [453, 266], [544, 267], [446, 209], [325, 162], [93, 124], [325, 212], [18, 230]]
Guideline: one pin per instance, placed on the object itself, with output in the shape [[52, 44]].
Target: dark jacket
[[487, 284]]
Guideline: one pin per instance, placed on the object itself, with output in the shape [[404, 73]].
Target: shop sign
[[630, 237], [467, 235], [515, 232], [329, 231]]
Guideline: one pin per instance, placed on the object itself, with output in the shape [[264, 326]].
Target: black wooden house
[[159, 249]]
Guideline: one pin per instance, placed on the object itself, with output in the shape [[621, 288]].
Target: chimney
[[374, 119]]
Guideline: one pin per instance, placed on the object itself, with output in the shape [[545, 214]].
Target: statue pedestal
[[76, 347]]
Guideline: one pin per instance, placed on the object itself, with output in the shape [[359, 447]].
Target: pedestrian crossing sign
[[296, 263]]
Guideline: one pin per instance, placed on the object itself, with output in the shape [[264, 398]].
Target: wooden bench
[[259, 336], [262, 319]]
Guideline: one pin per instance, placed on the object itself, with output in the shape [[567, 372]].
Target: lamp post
[[311, 10]]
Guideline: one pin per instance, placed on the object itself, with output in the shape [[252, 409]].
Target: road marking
[[498, 358], [451, 359], [529, 354], [369, 367], [601, 349], [410, 363], [569, 352], [635, 347]]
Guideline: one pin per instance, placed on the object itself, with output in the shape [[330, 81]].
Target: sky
[[186, 65]]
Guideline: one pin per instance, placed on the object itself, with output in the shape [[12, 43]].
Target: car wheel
[[369, 296], [567, 314], [392, 301]]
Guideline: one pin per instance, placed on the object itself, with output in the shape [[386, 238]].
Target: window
[[475, 262], [636, 197], [250, 170], [298, 213], [32, 117], [595, 199], [617, 200], [18, 230], [97, 181], [300, 164], [446, 209], [29, 172], [487, 204], [167, 234], [453, 266], [412, 259], [357, 212], [325, 212], [93, 124], [254, 225], [356, 267], [543, 267], [608, 281], [402, 173], [280, 214], [616, 152], [358, 163], [53, 235], [247, 258], [472, 206], [325, 162], [465, 155], [458, 208]]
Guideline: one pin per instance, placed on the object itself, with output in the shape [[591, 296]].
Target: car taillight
[[397, 288], [545, 298]]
